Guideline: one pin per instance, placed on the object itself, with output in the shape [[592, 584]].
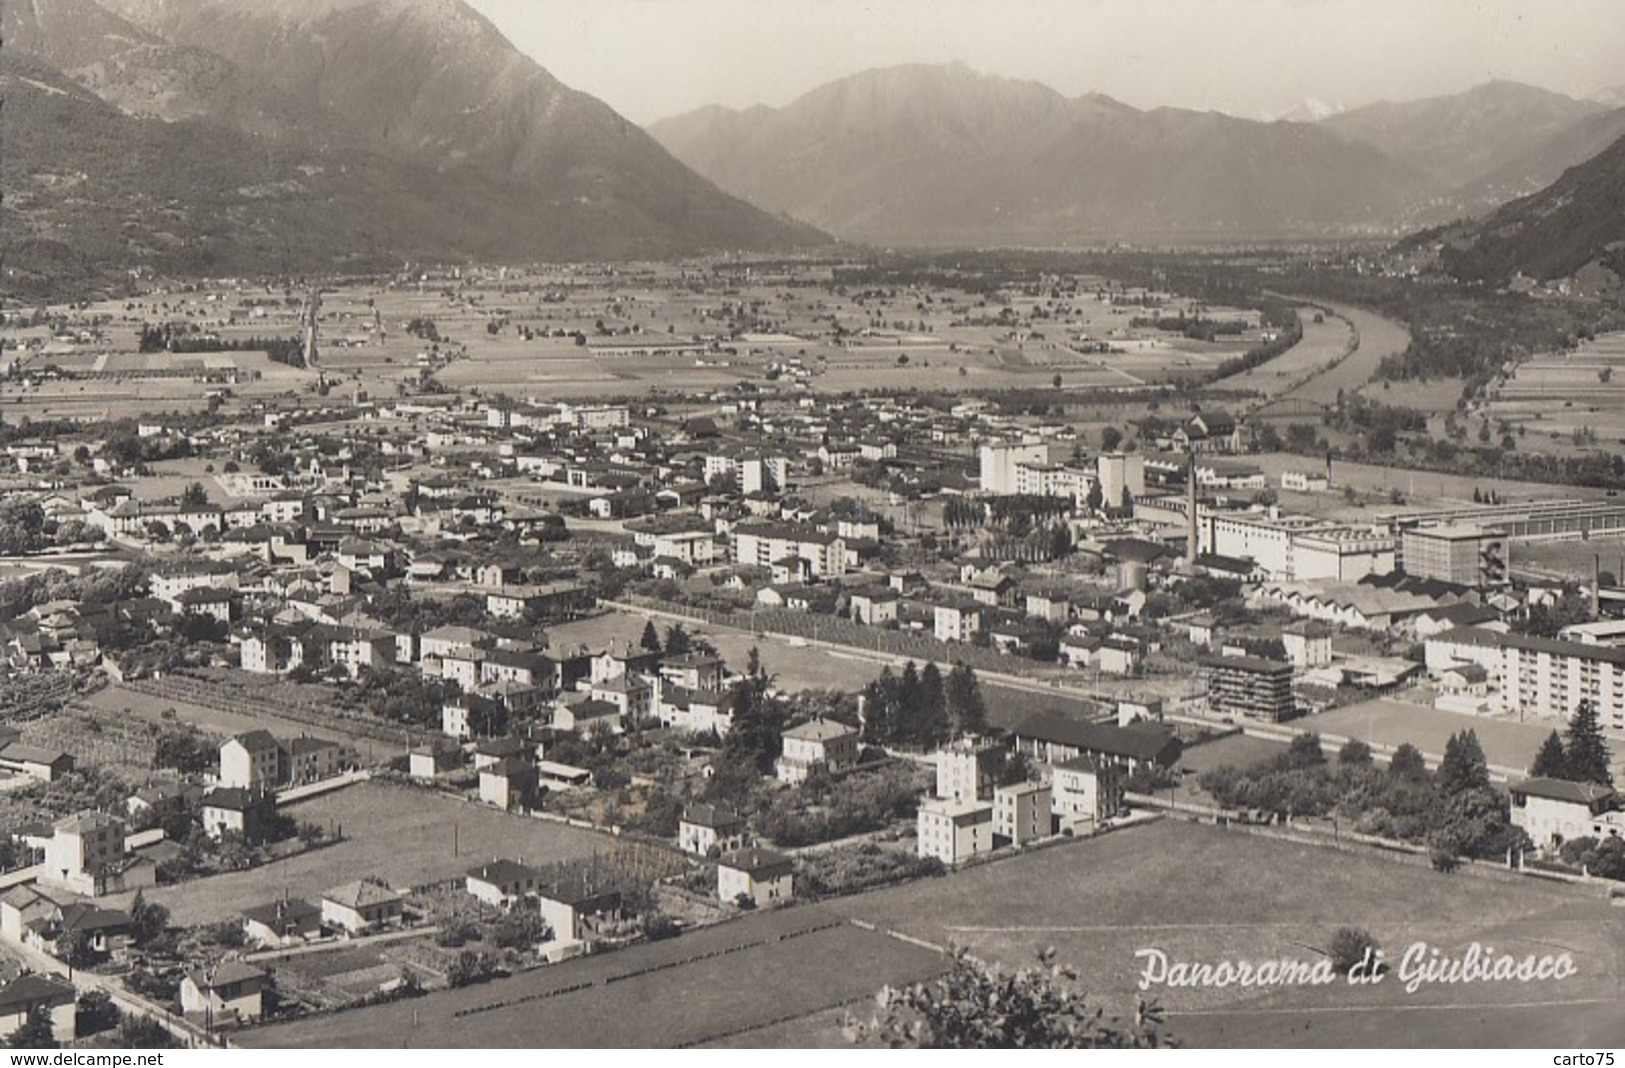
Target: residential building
[[32, 992], [361, 907], [284, 922], [246, 812], [765, 877], [502, 883], [1554, 811], [820, 742], [1022, 812], [253, 760], [954, 831], [1250, 686], [1086, 791], [1537, 678], [230, 991], [968, 769], [710, 830]]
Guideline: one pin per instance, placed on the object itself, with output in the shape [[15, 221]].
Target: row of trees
[[1455, 810], [1580, 754], [919, 707]]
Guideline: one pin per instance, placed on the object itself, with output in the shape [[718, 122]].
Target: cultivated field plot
[[116, 702], [405, 836], [1556, 394], [1202, 893], [691, 1002], [1507, 743], [1323, 343]]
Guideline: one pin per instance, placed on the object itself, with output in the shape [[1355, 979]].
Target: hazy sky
[[653, 58]]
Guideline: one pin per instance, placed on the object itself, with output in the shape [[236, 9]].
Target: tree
[[1095, 499], [1354, 753], [678, 641], [195, 496], [1551, 761], [967, 713], [1463, 767], [1110, 439], [1407, 762], [910, 713], [148, 920], [980, 1006], [36, 1031], [1585, 753], [1304, 751], [650, 641], [933, 726], [74, 949], [143, 1032], [95, 1012]]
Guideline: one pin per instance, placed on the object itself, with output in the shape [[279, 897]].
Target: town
[[469, 638]]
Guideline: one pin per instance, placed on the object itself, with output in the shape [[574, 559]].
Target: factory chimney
[[1596, 585], [1190, 511]]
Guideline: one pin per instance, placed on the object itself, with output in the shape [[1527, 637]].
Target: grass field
[[687, 1004], [122, 703], [1197, 893], [402, 835], [1201, 893], [1507, 743]]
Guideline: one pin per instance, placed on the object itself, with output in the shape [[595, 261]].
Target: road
[[128, 1002]]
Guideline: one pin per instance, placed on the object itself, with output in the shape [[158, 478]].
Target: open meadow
[[1203, 893], [1217, 895]]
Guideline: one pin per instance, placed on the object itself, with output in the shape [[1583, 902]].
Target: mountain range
[[292, 136], [942, 155], [253, 136], [1574, 229]]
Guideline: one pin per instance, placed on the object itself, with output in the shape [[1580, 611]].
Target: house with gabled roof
[[361, 906], [231, 991]]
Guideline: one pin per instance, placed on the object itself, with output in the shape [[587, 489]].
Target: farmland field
[[691, 1003], [405, 836], [1554, 395]]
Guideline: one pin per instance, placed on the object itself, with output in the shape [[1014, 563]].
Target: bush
[[1350, 945], [657, 927], [1444, 861]]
